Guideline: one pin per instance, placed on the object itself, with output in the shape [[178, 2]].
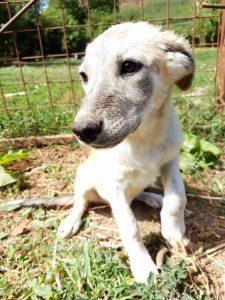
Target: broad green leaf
[[50, 223], [6, 208], [191, 142], [3, 235], [43, 290], [26, 211], [6, 177], [187, 162], [208, 147], [39, 213], [202, 164], [12, 156]]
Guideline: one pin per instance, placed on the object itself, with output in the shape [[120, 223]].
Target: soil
[[49, 171]]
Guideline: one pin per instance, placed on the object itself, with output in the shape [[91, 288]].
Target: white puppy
[[131, 126]]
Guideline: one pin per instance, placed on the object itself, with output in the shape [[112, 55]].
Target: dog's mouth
[[103, 145], [107, 143]]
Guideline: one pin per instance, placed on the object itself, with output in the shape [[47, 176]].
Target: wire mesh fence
[[42, 47]]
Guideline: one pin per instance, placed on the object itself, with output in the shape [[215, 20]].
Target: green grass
[[47, 108], [30, 270]]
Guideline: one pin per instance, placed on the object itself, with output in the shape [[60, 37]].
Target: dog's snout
[[87, 131]]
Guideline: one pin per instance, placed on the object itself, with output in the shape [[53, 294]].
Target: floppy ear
[[180, 65]]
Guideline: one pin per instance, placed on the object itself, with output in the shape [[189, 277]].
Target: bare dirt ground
[[49, 171]]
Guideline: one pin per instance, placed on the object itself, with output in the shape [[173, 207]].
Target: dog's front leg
[[83, 187], [70, 225], [174, 201], [140, 261]]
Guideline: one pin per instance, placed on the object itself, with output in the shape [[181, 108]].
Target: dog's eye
[[84, 76], [130, 66]]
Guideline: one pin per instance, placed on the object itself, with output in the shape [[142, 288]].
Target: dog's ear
[[180, 65]]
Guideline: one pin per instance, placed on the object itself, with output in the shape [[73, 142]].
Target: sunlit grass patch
[[81, 270]]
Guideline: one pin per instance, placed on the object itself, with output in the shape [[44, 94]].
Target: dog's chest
[[137, 180], [124, 171]]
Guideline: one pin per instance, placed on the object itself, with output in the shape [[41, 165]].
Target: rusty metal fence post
[[221, 62], [220, 76]]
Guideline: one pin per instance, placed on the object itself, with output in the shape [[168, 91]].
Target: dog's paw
[[142, 269], [174, 237], [151, 199], [68, 227], [172, 220], [180, 248], [173, 230]]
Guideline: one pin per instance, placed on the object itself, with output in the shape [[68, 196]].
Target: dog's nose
[[87, 131]]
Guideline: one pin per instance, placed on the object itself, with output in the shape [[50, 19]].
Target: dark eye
[[84, 76], [130, 66]]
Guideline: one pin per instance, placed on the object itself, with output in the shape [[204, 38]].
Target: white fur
[[119, 174]]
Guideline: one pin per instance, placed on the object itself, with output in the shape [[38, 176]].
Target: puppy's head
[[127, 73]]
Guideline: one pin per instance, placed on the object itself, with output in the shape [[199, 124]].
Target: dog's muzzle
[[87, 131]]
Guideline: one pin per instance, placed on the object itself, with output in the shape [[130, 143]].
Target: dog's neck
[[153, 128]]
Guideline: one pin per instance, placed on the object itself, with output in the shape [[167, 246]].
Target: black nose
[[87, 131]]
